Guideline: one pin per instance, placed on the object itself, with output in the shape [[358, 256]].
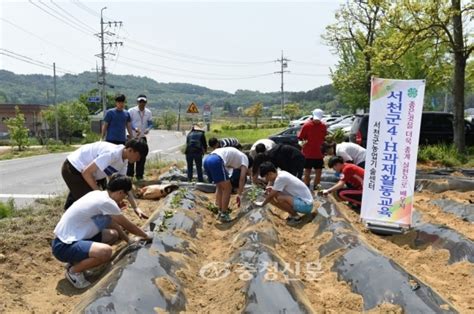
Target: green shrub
[[7, 208], [447, 155], [91, 137]]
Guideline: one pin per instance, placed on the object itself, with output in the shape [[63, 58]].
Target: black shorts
[[313, 163]]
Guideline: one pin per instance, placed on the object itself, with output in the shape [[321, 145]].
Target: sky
[[225, 45]]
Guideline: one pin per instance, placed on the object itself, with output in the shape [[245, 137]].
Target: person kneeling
[[86, 230], [288, 193], [351, 176]]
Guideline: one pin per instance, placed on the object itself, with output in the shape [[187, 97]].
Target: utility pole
[[103, 44], [283, 65], [55, 104]]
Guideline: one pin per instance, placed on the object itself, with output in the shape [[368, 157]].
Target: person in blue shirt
[[116, 121]]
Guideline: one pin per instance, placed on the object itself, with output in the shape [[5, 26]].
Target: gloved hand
[[237, 200], [140, 214]]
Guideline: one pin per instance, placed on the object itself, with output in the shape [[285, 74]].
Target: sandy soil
[[31, 280]]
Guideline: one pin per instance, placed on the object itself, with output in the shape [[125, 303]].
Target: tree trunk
[[459, 78]]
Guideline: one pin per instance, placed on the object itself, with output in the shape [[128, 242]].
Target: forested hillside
[[37, 88]]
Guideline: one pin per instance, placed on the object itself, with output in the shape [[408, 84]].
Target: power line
[[312, 63], [308, 74], [188, 56], [85, 8], [44, 40], [178, 59], [193, 76], [73, 17], [177, 69], [60, 19], [30, 60], [66, 18]]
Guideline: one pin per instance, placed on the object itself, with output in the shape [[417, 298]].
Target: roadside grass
[[34, 151], [247, 136], [7, 208], [32, 224], [446, 155]]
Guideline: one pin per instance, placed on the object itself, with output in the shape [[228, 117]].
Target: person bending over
[[288, 193], [87, 229], [216, 165], [351, 182], [87, 168]]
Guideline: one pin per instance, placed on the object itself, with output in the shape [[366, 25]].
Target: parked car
[[287, 136], [299, 121], [344, 123], [436, 127]]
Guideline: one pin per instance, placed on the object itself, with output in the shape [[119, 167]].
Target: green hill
[[38, 89]]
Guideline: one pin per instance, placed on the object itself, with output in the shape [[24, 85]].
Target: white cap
[[318, 114]]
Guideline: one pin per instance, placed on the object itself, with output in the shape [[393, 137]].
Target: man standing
[[116, 121], [287, 192], [351, 176], [142, 123], [313, 134], [216, 165], [196, 147]]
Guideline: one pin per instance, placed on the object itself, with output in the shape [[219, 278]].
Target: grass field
[[248, 136]]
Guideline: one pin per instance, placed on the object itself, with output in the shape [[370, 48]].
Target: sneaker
[[77, 279], [293, 220], [224, 217]]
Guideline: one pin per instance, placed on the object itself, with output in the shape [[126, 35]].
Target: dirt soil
[[31, 280]]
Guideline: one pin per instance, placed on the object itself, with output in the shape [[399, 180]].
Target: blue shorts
[[301, 206], [215, 169], [74, 252]]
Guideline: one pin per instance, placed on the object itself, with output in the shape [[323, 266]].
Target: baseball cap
[[141, 98], [318, 114]]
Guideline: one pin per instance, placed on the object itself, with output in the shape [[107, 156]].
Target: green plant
[[7, 208], [447, 155], [168, 119], [212, 208], [337, 136], [254, 192], [17, 130], [177, 198]]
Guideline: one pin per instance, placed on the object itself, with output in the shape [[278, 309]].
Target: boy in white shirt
[[86, 229], [91, 163], [287, 192], [216, 165]]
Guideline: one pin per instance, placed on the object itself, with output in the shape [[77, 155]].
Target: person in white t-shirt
[[88, 167], [287, 192], [142, 123], [350, 152], [216, 165], [86, 230], [261, 146]]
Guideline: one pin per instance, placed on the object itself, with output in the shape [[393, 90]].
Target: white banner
[[392, 147]]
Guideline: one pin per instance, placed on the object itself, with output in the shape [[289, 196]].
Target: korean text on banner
[[392, 147]]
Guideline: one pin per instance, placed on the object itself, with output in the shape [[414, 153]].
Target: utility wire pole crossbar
[[103, 44], [283, 65]]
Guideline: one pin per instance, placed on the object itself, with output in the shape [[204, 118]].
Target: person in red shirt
[[313, 134], [351, 176]]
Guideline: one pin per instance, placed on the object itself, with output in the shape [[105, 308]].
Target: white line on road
[[168, 149], [27, 195]]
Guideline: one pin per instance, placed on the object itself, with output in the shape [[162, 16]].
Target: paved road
[[26, 179]]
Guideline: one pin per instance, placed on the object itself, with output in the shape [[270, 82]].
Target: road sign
[[207, 108], [94, 99], [192, 108]]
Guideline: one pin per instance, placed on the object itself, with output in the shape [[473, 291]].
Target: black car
[[287, 136], [436, 127]]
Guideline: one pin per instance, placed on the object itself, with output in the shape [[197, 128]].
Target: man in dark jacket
[[196, 146], [285, 157]]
